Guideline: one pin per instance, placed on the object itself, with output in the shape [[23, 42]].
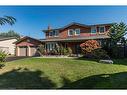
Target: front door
[[77, 49]]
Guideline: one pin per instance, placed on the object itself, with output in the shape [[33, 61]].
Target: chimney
[[49, 27]]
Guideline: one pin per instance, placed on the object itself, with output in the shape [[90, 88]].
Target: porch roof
[[75, 39]]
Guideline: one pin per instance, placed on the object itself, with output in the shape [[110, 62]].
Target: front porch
[[62, 48], [66, 47]]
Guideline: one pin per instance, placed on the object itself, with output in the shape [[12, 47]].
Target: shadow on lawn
[[25, 79], [120, 61], [87, 59], [102, 81]]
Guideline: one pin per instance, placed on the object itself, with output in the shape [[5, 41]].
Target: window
[[70, 32], [101, 29], [51, 33], [93, 30], [77, 31], [54, 33]]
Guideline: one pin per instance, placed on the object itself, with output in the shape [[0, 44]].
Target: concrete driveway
[[12, 58]]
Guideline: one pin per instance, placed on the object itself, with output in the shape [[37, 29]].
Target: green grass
[[47, 73]]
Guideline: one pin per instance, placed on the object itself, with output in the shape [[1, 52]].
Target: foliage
[[3, 55], [7, 20], [89, 46], [69, 51], [116, 33], [10, 33], [41, 49], [57, 49], [100, 54], [65, 51]]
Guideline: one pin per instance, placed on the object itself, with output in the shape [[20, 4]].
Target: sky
[[31, 20]]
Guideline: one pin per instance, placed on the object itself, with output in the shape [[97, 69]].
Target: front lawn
[[64, 73]]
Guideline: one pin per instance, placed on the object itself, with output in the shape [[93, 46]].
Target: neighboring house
[[71, 35], [7, 44]]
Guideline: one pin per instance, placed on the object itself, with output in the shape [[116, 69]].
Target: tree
[[89, 46], [7, 20], [116, 34], [10, 33]]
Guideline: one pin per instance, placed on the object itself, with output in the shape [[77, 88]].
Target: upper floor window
[[54, 33], [93, 30], [77, 31], [101, 29], [51, 33], [72, 32]]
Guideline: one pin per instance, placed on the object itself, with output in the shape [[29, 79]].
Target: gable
[[27, 41]]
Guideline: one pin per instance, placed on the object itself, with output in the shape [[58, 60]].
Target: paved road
[[12, 58]]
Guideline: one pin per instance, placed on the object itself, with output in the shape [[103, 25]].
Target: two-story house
[[71, 35]]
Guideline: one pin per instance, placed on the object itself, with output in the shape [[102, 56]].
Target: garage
[[23, 51], [27, 46]]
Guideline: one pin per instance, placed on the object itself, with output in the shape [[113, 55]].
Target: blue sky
[[32, 19]]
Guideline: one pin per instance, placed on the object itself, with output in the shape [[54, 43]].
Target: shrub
[[3, 56], [41, 49], [100, 54], [65, 51], [89, 46], [69, 51]]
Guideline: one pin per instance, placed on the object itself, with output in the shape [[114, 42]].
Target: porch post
[[29, 52], [17, 51]]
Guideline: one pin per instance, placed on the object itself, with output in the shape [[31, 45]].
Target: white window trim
[[99, 29], [69, 31], [58, 34], [75, 31], [95, 28]]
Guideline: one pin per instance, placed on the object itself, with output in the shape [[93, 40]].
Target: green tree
[[7, 20], [117, 33], [10, 33]]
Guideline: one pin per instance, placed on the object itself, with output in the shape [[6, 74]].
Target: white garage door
[[23, 51]]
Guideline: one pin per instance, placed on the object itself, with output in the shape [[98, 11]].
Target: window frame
[[95, 29], [99, 29], [52, 34], [69, 32], [79, 31], [55, 33]]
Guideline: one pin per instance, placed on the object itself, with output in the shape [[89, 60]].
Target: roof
[[6, 38], [76, 39], [75, 23], [26, 37]]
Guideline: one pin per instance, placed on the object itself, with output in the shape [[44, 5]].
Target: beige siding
[[8, 45]]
